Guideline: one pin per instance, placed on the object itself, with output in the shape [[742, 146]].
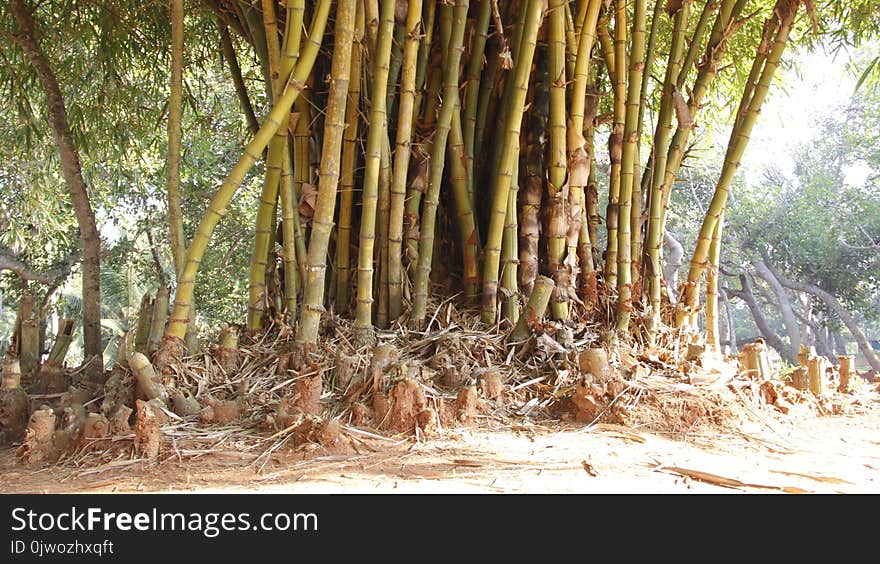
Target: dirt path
[[824, 455]]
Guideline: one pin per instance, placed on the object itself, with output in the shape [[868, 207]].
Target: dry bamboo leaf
[[420, 177], [723, 481], [506, 59], [815, 477], [579, 167], [682, 112], [400, 9], [672, 6], [589, 469], [291, 123], [620, 431], [307, 201]]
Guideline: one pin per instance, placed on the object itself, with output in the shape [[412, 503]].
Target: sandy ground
[[832, 454]]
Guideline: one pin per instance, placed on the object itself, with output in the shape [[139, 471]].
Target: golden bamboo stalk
[[328, 178], [438, 158], [179, 319], [508, 156], [403, 142], [373, 161]]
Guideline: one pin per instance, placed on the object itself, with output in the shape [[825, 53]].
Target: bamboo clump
[[458, 142]]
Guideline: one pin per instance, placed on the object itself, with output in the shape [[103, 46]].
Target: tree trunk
[[674, 257], [72, 171], [839, 343], [731, 328], [748, 296], [788, 318], [835, 306]]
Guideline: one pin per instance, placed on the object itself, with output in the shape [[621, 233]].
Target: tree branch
[[834, 304], [8, 261]]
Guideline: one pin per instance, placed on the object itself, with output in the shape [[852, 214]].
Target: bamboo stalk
[[302, 172], [237, 80], [509, 259], [322, 223], [394, 67], [628, 165], [406, 107], [663, 177], [145, 321], [175, 113], [217, 207], [160, 315], [63, 339], [505, 101], [722, 30], [607, 44], [373, 159], [419, 184], [466, 222], [289, 210], [430, 12], [296, 10], [557, 165], [530, 223], [712, 286], [508, 158], [473, 84], [784, 13], [615, 145], [438, 158], [484, 99], [384, 213], [534, 310], [350, 152], [579, 148], [696, 40], [264, 230]]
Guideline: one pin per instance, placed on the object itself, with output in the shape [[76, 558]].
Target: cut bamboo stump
[[226, 352], [51, 379], [845, 371], [160, 315], [13, 403], [799, 378], [39, 437], [755, 361], [534, 310], [595, 361], [146, 431], [816, 374], [804, 354], [29, 343], [145, 320], [148, 381]]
